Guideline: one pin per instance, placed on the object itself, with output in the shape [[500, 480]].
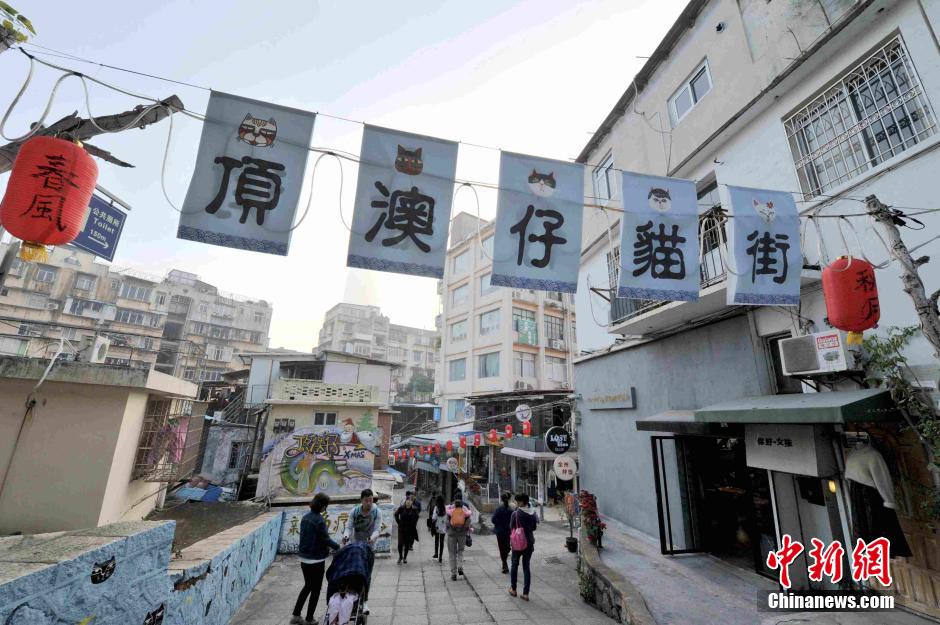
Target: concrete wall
[[48, 578], [218, 451], [694, 369], [337, 516]]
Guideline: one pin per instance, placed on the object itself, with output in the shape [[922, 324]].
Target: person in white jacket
[[364, 525]]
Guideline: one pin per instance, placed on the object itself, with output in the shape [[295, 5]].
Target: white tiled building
[[495, 338]]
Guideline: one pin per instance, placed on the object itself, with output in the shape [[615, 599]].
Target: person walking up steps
[[458, 529], [315, 545], [407, 518], [522, 540], [439, 527], [500, 519]]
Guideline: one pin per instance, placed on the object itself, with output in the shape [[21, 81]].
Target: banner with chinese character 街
[[659, 239], [765, 248], [403, 201], [538, 223], [249, 172]]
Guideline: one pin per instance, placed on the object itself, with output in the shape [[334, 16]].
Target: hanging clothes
[[871, 490]]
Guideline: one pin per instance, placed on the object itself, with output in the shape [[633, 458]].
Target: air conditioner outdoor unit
[[52, 305], [816, 354], [556, 344], [96, 351]]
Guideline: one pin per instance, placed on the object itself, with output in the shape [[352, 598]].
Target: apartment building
[[364, 331], [833, 102], [496, 339], [177, 324]]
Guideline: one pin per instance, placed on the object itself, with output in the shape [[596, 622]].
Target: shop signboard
[[615, 400], [790, 448], [523, 412], [557, 440], [452, 464], [565, 467]]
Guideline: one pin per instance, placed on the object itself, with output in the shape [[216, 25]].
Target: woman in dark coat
[[407, 518], [315, 546]]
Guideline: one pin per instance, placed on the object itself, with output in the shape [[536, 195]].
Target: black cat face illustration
[[543, 185], [101, 571], [155, 617], [409, 161], [259, 133]]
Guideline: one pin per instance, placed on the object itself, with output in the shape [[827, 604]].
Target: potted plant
[[14, 27], [571, 513], [594, 527]]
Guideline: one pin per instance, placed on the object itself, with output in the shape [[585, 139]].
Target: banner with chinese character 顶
[[765, 248], [538, 223], [249, 171], [403, 201], [659, 239]]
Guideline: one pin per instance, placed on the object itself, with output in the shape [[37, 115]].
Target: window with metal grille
[[169, 441], [238, 456], [875, 111]]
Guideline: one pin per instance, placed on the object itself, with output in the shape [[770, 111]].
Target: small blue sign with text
[[102, 230]]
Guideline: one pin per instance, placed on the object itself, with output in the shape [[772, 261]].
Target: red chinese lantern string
[[463, 442], [508, 432], [450, 446], [47, 196], [477, 440], [526, 428], [437, 448], [851, 296], [412, 452], [493, 435]]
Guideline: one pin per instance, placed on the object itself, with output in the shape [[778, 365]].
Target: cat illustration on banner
[[659, 200], [409, 161], [765, 210], [258, 133], [543, 185]]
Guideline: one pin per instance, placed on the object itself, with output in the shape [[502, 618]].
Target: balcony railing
[[312, 391], [711, 272]]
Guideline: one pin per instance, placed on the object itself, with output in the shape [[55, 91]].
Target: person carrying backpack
[[522, 540], [458, 531]]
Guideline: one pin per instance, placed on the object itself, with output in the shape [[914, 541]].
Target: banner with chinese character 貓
[[249, 171], [659, 239], [538, 223], [403, 201], [765, 246]]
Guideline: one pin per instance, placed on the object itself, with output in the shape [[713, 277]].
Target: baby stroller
[[348, 579]]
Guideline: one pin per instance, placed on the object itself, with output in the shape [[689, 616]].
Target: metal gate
[[674, 498]]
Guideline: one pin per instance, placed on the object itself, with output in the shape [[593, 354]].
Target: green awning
[[828, 407]]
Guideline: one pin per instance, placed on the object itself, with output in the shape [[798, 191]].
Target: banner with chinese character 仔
[[659, 239], [403, 201], [538, 223], [249, 172], [765, 248]]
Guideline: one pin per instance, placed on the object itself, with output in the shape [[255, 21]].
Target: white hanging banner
[[659, 239], [765, 246], [538, 223], [249, 170], [403, 201]]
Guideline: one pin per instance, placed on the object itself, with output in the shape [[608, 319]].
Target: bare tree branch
[[83, 129], [105, 155]]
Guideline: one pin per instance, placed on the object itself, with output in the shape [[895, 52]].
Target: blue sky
[[534, 76]]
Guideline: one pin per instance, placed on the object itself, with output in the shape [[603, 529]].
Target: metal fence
[[169, 441]]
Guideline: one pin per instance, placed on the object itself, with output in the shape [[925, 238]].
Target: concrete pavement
[[421, 592]]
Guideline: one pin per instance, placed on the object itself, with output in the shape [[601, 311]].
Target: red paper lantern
[[48, 192], [477, 440], [851, 296], [526, 428], [437, 448], [493, 435], [450, 446], [412, 452], [508, 432], [463, 442]]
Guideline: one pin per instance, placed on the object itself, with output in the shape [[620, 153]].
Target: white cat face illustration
[[659, 200], [765, 210]]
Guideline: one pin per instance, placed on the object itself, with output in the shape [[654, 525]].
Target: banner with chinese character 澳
[[538, 223], [659, 239], [249, 171], [403, 201], [765, 248]]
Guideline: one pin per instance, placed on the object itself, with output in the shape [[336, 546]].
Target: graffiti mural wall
[[336, 460], [337, 516]]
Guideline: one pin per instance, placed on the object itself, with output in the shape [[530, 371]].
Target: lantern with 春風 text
[[851, 296], [48, 192]]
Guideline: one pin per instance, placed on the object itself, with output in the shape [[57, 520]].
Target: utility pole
[[924, 305]]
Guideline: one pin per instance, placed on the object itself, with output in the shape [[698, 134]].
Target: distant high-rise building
[[365, 331], [177, 324]]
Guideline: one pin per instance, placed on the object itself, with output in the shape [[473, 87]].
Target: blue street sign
[[437, 415], [102, 230]]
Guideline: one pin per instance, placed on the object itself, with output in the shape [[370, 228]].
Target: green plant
[[586, 585], [885, 365], [14, 25]]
